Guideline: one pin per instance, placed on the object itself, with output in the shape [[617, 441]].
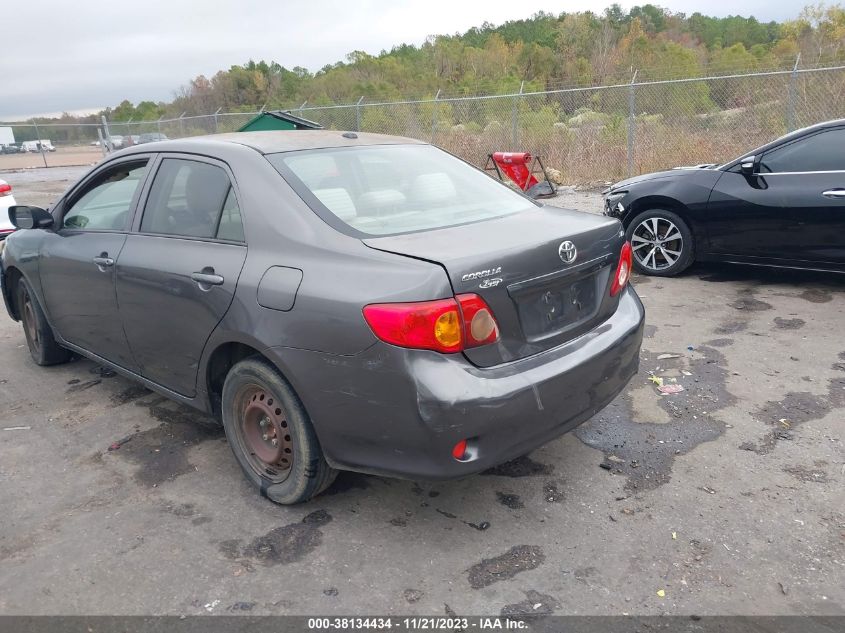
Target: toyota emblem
[[567, 252]]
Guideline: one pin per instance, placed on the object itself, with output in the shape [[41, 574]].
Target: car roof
[[271, 142]]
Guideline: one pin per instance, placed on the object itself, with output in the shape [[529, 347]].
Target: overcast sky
[[67, 56]]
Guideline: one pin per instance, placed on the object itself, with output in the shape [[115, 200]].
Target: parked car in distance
[[6, 200], [151, 137], [116, 141], [781, 205], [397, 311], [11, 148], [37, 146]]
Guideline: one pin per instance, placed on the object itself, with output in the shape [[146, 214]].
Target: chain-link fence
[[591, 135]]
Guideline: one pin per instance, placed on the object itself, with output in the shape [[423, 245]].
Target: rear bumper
[[399, 412]]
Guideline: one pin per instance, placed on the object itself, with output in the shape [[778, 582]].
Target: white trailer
[[7, 135]]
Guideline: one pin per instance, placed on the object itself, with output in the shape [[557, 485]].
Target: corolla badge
[[481, 274], [567, 252]]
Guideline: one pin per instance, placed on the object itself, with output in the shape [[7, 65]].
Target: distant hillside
[[543, 51]]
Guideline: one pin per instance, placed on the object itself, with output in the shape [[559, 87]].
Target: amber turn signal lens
[[447, 329]]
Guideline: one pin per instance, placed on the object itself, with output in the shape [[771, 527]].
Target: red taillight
[[5, 190], [444, 325], [623, 270], [460, 450]]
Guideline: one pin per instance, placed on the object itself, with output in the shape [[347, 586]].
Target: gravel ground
[[726, 498]]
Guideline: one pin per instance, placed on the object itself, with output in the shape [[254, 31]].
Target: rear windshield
[[390, 189]]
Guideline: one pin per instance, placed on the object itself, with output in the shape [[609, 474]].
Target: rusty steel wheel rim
[[264, 432], [29, 320]]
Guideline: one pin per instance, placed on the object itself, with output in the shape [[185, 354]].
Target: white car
[[6, 200]]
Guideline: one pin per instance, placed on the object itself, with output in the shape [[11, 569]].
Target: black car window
[[824, 151], [104, 204], [231, 226], [186, 199]]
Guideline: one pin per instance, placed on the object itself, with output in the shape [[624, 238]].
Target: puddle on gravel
[[282, 545], [509, 500], [816, 295], [784, 416], [644, 451], [789, 324], [520, 467], [517, 559], [161, 452]]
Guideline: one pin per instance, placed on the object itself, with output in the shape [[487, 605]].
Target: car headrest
[[338, 201]]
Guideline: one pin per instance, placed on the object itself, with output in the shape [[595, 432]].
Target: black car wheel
[[271, 435], [661, 242], [39, 335]]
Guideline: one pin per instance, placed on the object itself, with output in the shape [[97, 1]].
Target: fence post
[[215, 119], [434, 116], [302, 107], [40, 146], [106, 131], [102, 141], [632, 123], [515, 118], [791, 96], [358, 115], [182, 124], [158, 123]]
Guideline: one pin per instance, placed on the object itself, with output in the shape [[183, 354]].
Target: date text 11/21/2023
[[417, 623]]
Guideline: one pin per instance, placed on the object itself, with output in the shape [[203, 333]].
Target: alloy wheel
[[657, 243]]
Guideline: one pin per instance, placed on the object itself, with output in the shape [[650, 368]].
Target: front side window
[[824, 151], [105, 204], [187, 199], [389, 189]]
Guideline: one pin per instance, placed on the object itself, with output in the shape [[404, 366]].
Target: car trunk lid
[[517, 264]]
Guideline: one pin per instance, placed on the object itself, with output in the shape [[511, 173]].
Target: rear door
[[77, 260], [177, 272]]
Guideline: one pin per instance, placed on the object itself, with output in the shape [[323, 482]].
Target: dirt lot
[[726, 498], [62, 157]]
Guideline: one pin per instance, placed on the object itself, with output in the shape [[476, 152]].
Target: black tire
[[39, 335], [254, 394], [656, 260]]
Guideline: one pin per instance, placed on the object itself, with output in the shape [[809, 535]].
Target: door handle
[[103, 261], [207, 278], [834, 193]]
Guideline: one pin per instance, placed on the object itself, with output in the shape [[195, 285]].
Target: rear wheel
[[661, 242], [39, 335], [271, 435]]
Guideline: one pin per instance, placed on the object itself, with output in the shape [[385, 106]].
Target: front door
[[77, 261], [177, 274], [793, 210]]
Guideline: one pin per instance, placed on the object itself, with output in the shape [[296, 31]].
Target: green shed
[[278, 120]]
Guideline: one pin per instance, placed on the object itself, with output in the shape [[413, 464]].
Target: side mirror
[[24, 217], [749, 166]]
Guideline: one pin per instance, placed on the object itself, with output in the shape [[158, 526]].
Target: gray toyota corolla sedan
[[341, 301]]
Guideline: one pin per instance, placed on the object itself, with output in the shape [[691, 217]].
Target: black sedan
[[341, 301], [780, 205]]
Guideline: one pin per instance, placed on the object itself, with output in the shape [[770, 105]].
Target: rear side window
[[824, 151], [105, 204], [389, 189], [189, 199]]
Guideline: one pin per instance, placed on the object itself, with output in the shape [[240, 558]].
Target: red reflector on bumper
[[460, 450]]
